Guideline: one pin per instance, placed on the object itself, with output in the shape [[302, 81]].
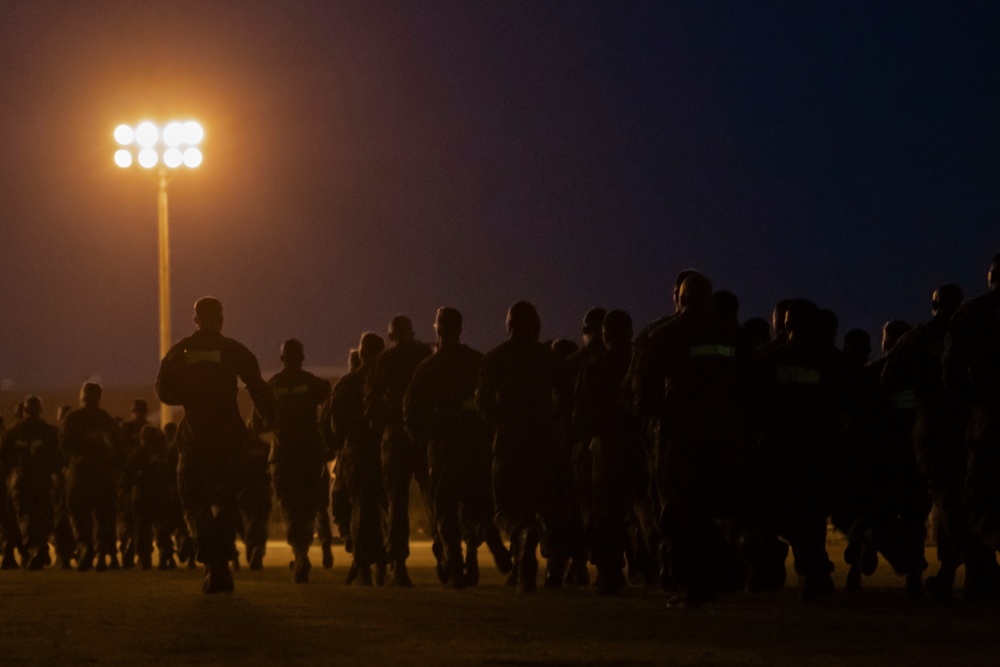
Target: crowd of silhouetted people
[[689, 457]]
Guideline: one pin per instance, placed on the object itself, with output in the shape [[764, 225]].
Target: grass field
[[161, 618]]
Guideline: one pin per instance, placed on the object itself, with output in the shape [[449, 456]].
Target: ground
[[66, 618]]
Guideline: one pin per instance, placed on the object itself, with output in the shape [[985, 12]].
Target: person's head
[[292, 353], [90, 394], [695, 293], [800, 318], [891, 333], [208, 314], [946, 300], [826, 327], [140, 408], [778, 317], [592, 324], [353, 360], [523, 321], [32, 406], [563, 348], [448, 325], [617, 329], [19, 411], [151, 436], [369, 348], [678, 281], [993, 277], [755, 332], [857, 347], [727, 305], [400, 330]]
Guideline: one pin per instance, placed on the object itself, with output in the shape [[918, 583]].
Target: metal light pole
[[178, 142]]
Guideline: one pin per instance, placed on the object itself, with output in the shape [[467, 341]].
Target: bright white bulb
[[123, 158], [173, 157], [124, 135], [146, 134], [192, 158], [148, 157], [173, 134], [193, 134]]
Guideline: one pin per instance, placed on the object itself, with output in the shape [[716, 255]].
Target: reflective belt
[[796, 375], [202, 356], [713, 351], [904, 400]]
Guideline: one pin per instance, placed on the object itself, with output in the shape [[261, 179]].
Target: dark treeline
[[691, 456]]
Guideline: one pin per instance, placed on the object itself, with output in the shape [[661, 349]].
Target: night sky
[[368, 158]]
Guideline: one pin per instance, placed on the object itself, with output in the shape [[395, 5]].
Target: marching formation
[[692, 456]]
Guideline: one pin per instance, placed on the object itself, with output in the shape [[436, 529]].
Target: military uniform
[[29, 456], [126, 530], [440, 414], [402, 461], [147, 481], [200, 373], [94, 444], [255, 502], [298, 455]]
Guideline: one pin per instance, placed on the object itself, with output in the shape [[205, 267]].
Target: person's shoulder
[[470, 353]]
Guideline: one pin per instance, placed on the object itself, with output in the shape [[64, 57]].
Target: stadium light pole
[[166, 150]]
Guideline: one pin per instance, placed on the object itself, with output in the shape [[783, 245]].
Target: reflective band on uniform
[[280, 391], [299, 389], [202, 356], [904, 400], [713, 351], [796, 375]]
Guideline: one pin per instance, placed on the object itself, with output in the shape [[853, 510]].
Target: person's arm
[[260, 392]]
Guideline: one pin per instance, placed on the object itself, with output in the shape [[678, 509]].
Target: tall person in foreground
[[200, 373]]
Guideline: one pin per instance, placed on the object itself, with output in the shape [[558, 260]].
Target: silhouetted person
[[298, 455], [147, 481], [515, 397], [132, 429], [605, 423], [200, 373], [402, 462], [972, 373], [826, 327], [802, 387], [440, 414], [255, 502], [579, 465], [62, 530], [359, 463], [727, 307], [702, 377], [94, 444], [340, 499], [29, 457]]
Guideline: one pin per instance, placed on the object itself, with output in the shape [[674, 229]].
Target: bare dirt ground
[[66, 618]]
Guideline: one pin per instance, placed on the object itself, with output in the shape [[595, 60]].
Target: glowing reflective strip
[[713, 351], [904, 400], [796, 375], [299, 389], [203, 356], [280, 391]]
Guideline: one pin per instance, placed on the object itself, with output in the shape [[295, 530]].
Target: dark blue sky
[[364, 159]]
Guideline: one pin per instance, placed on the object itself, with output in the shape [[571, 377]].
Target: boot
[[501, 554], [364, 576], [471, 577], [854, 579], [218, 578], [36, 559], [352, 574], [65, 562], [167, 562], [85, 559], [327, 556], [400, 577], [380, 569], [113, 563], [610, 582], [185, 550], [146, 562], [527, 560], [9, 561], [128, 556], [102, 564], [255, 557], [302, 567]]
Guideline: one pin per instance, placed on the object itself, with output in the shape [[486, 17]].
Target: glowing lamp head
[[123, 158], [192, 133], [146, 134], [192, 158], [172, 157], [124, 135], [173, 134], [148, 158]]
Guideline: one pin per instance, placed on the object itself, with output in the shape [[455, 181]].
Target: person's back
[[92, 440], [30, 452]]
